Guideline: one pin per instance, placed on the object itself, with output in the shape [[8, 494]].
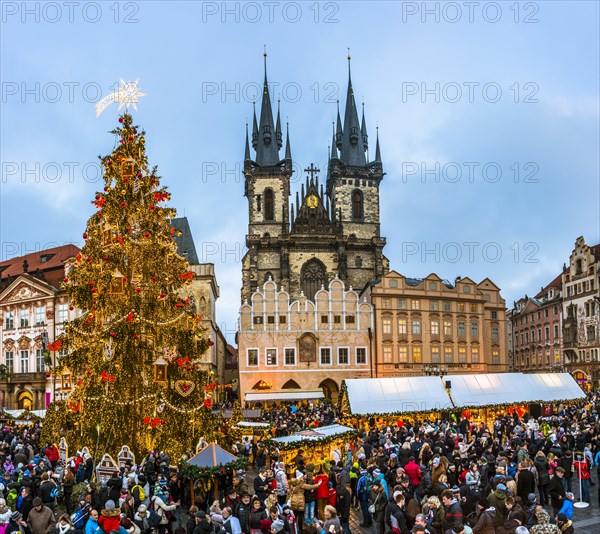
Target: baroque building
[[536, 330], [431, 326], [581, 314], [330, 230]]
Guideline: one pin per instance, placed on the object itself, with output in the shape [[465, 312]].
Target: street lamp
[[434, 370]]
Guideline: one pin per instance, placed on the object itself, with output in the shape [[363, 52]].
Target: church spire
[[339, 132], [363, 129], [334, 154], [247, 150], [352, 151], [267, 151], [254, 129], [278, 134], [377, 150], [288, 149]]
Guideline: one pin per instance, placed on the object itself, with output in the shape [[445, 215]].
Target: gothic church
[[330, 231]]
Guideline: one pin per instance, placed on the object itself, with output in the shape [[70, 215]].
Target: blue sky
[[464, 92]]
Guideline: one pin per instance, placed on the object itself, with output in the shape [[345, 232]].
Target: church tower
[[329, 232], [267, 188]]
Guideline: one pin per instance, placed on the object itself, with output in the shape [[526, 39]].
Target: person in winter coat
[[379, 502], [257, 514], [497, 499], [394, 516], [567, 507], [48, 491], [297, 488], [486, 515], [582, 472], [453, 514], [343, 503], [413, 472], [515, 517], [331, 523], [203, 526], [310, 495], [322, 491], [142, 520], [110, 517], [434, 513], [525, 482], [67, 485], [162, 505], [64, 525], [91, 525], [543, 467], [16, 524], [282, 488], [556, 489], [543, 523], [261, 485], [565, 525], [41, 519]]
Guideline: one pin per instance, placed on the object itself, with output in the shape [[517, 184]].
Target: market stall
[[386, 400], [252, 429], [317, 443], [483, 397]]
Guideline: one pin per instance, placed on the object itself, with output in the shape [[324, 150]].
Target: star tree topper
[[128, 94]]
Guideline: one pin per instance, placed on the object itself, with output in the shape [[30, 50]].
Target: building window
[[434, 305], [313, 277], [448, 328], [290, 356], [271, 355], [547, 333], [337, 319], [402, 326], [39, 361], [447, 306], [462, 354], [269, 205], [461, 306], [63, 313], [433, 285], [416, 354], [474, 330], [393, 283], [9, 320], [258, 319], [325, 356], [357, 205], [282, 319], [387, 353], [416, 304], [448, 357], [435, 328], [466, 289], [401, 304], [62, 352], [435, 355], [349, 319], [495, 357], [546, 312], [343, 356], [386, 324], [591, 333], [361, 355], [386, 303], [473, 308], [461, 329], [9, 359], [555, 331], [40, 313], [24, 320], [416, 327], [496, 334], [270, 319], [539, 334], [252, 357], [494, 315], [475, 354], [24, 361], [324, 319]]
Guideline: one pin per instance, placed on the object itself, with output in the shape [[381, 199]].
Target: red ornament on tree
[[121, 120]]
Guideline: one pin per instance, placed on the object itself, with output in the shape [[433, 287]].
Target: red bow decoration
[[54, 346], [75, 406], [182, 361], [130, 317], [160, 196], [208, 403], [154, 422], [100, 202], [106, 377], [187, 276]]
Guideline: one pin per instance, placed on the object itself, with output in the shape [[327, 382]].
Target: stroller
[[80, 516]]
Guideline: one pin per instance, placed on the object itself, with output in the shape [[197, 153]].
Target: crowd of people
[[520, 475]]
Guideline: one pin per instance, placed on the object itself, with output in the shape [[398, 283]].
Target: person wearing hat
[[242, 512], [41, 519], [379, 503], [162, 505], [564, 524], [16, 524], [485, 517], [497, 499], [543, 526], [277, 526], [556, 490], [110, 517], [202, 526], [64, 525]]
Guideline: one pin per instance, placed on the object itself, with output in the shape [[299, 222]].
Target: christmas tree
[[134, 352]]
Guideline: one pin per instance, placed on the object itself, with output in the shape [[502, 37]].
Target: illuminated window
[[435, 355], [402, 326], [387, 353], [448, 356], [435, 328], [386, 324], [416, 354], [416, 304], [402, 354], [475, 354], [462, 354]]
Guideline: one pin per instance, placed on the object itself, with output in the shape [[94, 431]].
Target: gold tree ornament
[[127, 168], [160, 370], [117, 286]]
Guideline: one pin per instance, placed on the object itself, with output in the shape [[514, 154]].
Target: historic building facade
[[581, 314], [305, 345], [432, 326], [536, 330], [328, 232], [33, 308]]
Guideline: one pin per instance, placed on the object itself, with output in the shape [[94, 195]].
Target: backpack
[[141, 491], [54, 492], [365, 488]]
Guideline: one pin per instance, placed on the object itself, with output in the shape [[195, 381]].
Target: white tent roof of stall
[[397, 395], [292, 394], [17, 413], [325, 431], [512, 388]]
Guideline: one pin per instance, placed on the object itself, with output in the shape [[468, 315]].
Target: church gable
[[24, 289]]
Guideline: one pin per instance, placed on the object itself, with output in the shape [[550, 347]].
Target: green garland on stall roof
[[307, 443], [202, 473], [517, 403]]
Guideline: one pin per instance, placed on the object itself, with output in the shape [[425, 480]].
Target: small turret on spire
[[333, 154], [377, 150], [247, 150], [288, 149], [254, 129], [363, 129], [339, 132]]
